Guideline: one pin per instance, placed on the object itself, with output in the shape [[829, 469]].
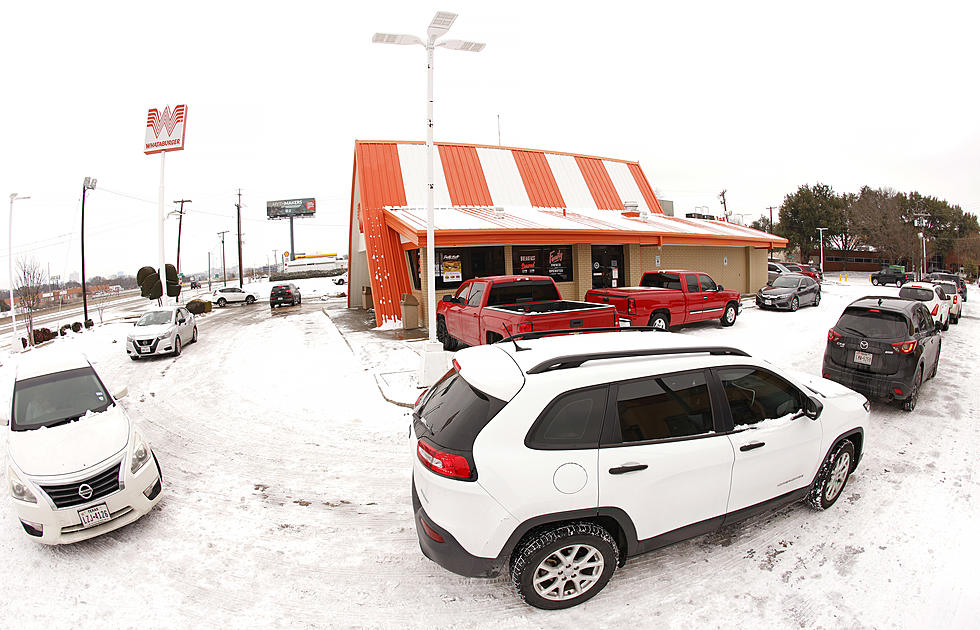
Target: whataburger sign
[[165, 130]]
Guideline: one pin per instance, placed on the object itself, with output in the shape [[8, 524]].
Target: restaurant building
[[585, 221]]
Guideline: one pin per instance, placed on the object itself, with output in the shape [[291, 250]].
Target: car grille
[[102, 484], [144, 342]]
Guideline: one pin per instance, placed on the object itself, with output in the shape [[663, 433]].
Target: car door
[[776, 449], [694, 298], [713, 300], [182, 324], [470, 316], [773, 273], [926, 332], [454, 311], [661, 458], [810, 290]]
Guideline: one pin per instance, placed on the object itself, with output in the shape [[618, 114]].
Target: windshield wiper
[[64, 421]]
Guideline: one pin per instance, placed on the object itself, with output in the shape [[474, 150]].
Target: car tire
[[898, 283], [909, 403], [816, 300], [832, 477], [582, 546], [946, 324], [935, 367], [794, 304], [222, 302], [874, 281], [660, 320], [177, 346], [300, 300], [730, 314], [442, 334], [194, 335], [249, 300]]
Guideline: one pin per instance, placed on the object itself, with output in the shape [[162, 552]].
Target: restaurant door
[[608, 267]]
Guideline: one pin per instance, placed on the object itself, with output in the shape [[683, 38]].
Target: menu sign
[[451, 268]]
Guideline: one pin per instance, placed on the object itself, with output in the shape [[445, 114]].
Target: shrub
[[89, 323], [64, 329], [198, 306], [299, 275], [77, 327], [43, 334]]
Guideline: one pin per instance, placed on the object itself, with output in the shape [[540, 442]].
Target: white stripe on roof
[[503, 178], [412, 159], [570, 181], [625, 184]]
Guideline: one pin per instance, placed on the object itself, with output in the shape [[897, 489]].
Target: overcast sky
[[756, 98]]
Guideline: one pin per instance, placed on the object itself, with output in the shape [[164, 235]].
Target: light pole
[[439, 26], [88, 184], [821, 230], [10, 268]]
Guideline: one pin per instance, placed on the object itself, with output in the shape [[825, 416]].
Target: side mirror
[[720, 288], [812, 408], [122, 393], [449, 298]]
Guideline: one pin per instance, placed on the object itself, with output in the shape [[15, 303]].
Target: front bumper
[[776, 303], [155, 347], [875, 386], [59, 526]]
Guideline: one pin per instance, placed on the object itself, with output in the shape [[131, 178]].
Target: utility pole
[[209, 272], [771, 208], [224, 274], [822, 230], [275, 259], [241, 268], [724, 204], [88, 184], [180, 226]]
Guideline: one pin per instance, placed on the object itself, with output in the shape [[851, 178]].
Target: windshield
[[155, 318], [53, 399], [786, 283], [872, 324], [916, 293]]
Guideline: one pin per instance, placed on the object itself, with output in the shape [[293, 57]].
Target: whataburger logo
[[157, 122]]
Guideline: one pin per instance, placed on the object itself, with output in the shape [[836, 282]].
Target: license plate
[[864, 358], [768, 302], [144, 349], [94, 515], [625, 323]]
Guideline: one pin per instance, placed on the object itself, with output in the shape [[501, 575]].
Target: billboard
[[290, 208], [165, 130]]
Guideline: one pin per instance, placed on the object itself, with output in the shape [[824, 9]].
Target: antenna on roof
[[517, 348]]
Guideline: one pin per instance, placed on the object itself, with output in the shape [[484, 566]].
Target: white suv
[[227, 295], [933, 297], [557, 458], [78, 467]]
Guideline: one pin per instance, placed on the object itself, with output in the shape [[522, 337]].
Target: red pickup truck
[[670, 298], [485, 310]]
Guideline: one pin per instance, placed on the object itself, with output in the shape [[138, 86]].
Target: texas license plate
[[864, 358], [94, 515], [768, 302], [144, 349]]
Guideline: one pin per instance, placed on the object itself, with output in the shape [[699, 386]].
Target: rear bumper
[[874, 386], [449, 554]]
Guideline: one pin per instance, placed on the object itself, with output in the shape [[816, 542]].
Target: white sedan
[[161, 331], [78, 466]]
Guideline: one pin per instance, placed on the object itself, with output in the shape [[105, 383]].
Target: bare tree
[[878, 220], [28, 287]]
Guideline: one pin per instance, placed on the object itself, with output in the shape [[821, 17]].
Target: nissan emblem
[[85, 491]]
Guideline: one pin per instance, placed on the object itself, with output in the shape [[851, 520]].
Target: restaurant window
[[456, 264], [413, 268], [544, 260]]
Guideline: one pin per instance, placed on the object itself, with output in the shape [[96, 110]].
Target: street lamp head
[[89, 183], [441, 24], [392, 38], [459, 44]]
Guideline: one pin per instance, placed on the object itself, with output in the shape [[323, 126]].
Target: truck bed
[[541, 308]]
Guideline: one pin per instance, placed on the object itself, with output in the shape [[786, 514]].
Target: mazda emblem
[[85, 491], [864, 345]]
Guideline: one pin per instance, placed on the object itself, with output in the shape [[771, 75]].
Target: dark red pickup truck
[[484, 310], [670, 298]]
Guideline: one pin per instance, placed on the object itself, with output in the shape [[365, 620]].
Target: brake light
[[935, 309], [873, 310], [443, 463], [525, 327], [905, 347], [421, 396], [833, 335], [457, 366], [631, 306], [431, 533]]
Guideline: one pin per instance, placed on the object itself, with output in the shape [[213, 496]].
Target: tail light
[[431, 533], [421, 396], [954, 298], [443, 463], [631, 306], [905, 347], [525, 327], [833, 335], [935, 309]]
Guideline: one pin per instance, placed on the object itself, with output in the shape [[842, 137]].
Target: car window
[[522, 291], [463, 291], [940, 293], [755, 395], [476, 294], [809, 282], [773, 268], [692, 283], [663, 407], [454, 412], [873, 323], [915, 293], [707, 284], [571, 421], [922, 319], [661, 280]]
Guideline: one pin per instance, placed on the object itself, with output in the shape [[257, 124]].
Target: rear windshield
[[873, 325], [661, 281], [523, 291], [453, 413], [59, 398], [281, 287], [915, 293], [948, 287]]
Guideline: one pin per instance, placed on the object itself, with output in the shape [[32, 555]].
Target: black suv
[[883, 347], [940, 276], [891, 276], [283, 294]]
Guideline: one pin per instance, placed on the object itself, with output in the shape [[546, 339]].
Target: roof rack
[[575, 360], [565, 331]]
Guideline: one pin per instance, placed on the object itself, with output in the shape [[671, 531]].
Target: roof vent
[[498, 212], [630, 206]]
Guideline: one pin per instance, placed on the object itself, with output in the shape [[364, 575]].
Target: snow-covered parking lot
[[287, 500]]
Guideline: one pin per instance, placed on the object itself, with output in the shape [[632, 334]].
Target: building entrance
[[608, 267]]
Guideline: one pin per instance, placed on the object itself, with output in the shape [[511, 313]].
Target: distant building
[[74, 277]]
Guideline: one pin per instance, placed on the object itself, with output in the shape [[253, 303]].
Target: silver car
[[161, 331], [777, 269]]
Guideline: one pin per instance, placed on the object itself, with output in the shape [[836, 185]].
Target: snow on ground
[[287, 500]]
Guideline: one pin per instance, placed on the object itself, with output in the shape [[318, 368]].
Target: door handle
[[751, 446], [627, 468]]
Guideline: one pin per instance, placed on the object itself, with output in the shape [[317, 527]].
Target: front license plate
[[94, 515], [144, 349], [768, 302], [864, 358], [625, 323]]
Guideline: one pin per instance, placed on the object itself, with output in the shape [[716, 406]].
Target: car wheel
[[563, 566], [909, 403], [832, 478], [442, 334], [660, 320], [177, 346], [898, 283], [222, 302], [935, 367], [731, 313], [794, 304], [249, 300], [874, 281], [194, 335], [300, 300], [946, 324], [816, 300]]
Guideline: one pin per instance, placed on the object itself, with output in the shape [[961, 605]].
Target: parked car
[[817, 274], [776, 269], [161, 331], [956, 303], [590, 449], [940, 276], [195, 284], [229, 295], [789, 291], [802, 269], [883, 347], [933, 297], [485, 310], [889, 275], [671, 298], [341, 279], [283, 294], [78, 465]]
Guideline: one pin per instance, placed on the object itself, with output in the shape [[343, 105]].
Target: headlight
[[18, 489], [166, 334], [141, 453]]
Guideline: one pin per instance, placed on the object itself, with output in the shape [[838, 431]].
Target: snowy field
[[287, 499]]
